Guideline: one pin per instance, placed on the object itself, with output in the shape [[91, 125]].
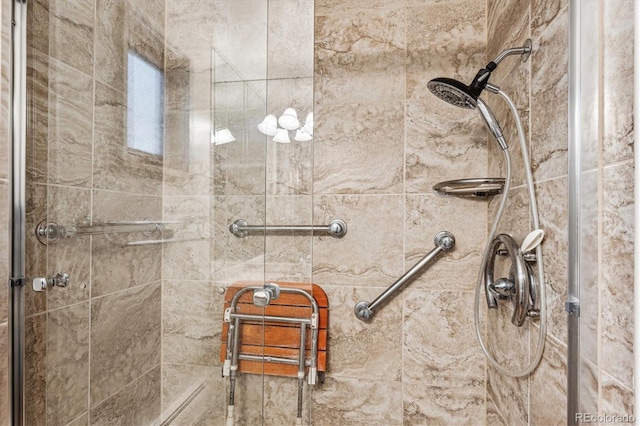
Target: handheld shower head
[[492, 123], [453, 92]]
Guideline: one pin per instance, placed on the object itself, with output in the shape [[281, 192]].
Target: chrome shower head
[[453, 92]]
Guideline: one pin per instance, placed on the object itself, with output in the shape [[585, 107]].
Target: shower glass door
[[143, 147]]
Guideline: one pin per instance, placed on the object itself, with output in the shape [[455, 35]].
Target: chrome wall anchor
[[60, 280]]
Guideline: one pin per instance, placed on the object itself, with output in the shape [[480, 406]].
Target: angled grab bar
[[444, 241], [336, 228]]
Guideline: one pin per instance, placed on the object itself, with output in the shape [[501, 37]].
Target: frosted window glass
[[145, 105]]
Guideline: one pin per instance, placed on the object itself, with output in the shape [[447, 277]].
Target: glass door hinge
[[572, 307], [17, 282]]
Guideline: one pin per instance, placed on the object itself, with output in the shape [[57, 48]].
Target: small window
[[145, 105]]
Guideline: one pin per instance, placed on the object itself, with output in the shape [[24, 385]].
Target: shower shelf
[[470, 188]]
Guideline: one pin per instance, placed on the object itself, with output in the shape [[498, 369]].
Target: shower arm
[[525, 51]]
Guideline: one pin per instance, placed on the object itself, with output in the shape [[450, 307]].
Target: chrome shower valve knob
[[42, 283]]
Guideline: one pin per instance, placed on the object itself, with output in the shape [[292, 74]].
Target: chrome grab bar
[[444, 241], [336, 228], [52, 232]]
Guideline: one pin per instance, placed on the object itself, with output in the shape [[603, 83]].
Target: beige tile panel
[[617, 80], [443, 143], [188, 258], [426, 215], [70, 125], [68, 207], [204, 384], [115, 165], [544, 12], [494, 417], [370, 350], [370, 254], [444, 39], [548, 109], [72, 24], [548, 390], [192, 314], [82, 420], [35, 252], [290, 39], [239, 168], [37, 26], [281, 402], [324, 7], [347, 400], [553, 210], [125, 339], [35, 370], [37, 141], [350, 139], [617, 272], [115, 266], [616, 398], [360, 56], [588, 398], [136, 404], [68, 363], [508, 26]]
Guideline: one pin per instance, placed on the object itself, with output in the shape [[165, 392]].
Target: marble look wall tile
[[115, 165], [288, 255], [115, 266], [37, 26], [136, 404], [510, 396], [238, 258], [349, 139], [37, 132], [359, 59], [72, 22], [250, 394], [508, 26], [494, 417], [617, 78], [588, 398], [187, 154], [548, 116], [426, 215], [68, 207], [68, 363], [125, 339], [443, 142], [82, 420], [543, 12], [443, 372], [70, 125], [191, 322], [35, 251], [363, 349], [617, 272], [4, 373], [346, 400], [553, 210], [324, 7], [111, 44], [240, 169], [291, 31], [548, 390], [374, 222], [204, 384], [281, 402], [444, 40], [35, 370], [616, 398], [188, 258]]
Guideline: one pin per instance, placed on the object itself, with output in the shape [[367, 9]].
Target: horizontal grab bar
[[52, 232], [444, 241], [336, 228]]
